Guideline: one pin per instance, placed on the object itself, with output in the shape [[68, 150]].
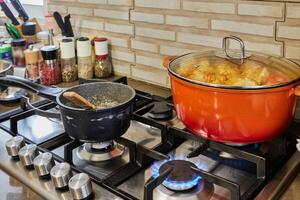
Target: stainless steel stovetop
[[146, 146]]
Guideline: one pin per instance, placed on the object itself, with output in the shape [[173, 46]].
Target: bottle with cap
[[32, 64], [103, 66], [84, 58], [69, 71], [51, 73], [18, 47]]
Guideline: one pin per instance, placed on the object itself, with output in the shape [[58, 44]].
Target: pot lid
[[235, 69]]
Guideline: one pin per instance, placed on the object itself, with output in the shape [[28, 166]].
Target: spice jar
[[32, 64], [69, 71], [84, 58], [18, 47], [51, 73], [103, 66], [5, 52]]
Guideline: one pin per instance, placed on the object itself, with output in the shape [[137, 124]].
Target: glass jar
[[85, 67], [69, 70], [18, 47], [84, 58], [32, 64], [51, 73], [103, 67]]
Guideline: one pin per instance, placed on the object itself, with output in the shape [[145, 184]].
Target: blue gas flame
[[176, 185]]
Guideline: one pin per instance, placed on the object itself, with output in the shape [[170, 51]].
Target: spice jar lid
[[18, 42], [67, 48], [84, 47], [31, 56], [49, 52], [29, 28], [101, 47]]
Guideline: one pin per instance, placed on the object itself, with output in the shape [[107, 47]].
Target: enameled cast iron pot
[[234, 114], [83, 124]]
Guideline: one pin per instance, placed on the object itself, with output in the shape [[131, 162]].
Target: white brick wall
[[80, 11], [119, 28], [90, 24], [205, 40], [187, 21], [144, 46], [290, 32], [141, 32], [243, 27], [149, 74], [122, 55], [147, 17], [58, 8], [173, 51], [267, 10], [120, 2], [150, 60], [93, 1], [293, 10], [155, 33], [166, 4], [113, 14], [209, 7]]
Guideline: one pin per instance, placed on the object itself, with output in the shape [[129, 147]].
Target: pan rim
[[133, 94]]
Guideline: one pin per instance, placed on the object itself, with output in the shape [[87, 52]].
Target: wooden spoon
[[78, 100]]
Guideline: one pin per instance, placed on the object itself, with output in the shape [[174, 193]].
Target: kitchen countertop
[[13, 189]]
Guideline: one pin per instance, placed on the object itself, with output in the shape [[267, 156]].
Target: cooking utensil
[[59, 22], [86, 125], [8, 13], [240, 113], [79, 100], [68, 26], [20, 9], [12, 31]]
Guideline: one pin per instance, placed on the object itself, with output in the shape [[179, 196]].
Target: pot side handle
[[47, 92], [167, 60]]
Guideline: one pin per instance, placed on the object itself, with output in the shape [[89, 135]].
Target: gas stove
[[157, 158]]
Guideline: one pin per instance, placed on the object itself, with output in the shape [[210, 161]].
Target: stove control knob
[[61, 174], [80, 186], [13, 146], [27, 154], [43, 164]]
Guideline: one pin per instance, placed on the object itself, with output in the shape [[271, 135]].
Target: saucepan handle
[[167, 60], [47, 92], [25, 102]]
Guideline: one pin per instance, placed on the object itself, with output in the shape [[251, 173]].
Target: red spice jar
[[51, 73]]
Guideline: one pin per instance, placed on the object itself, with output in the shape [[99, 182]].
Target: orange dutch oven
[[234, 97]]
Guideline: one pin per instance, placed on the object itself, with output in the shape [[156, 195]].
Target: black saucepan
[[6, 68], [82, 124]]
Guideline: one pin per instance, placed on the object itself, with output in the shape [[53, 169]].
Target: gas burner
[[161, 111], [97, 152], [12, 94], [181, 178], [204, 190]]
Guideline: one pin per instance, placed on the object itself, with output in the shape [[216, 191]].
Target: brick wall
[[141, 32]]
